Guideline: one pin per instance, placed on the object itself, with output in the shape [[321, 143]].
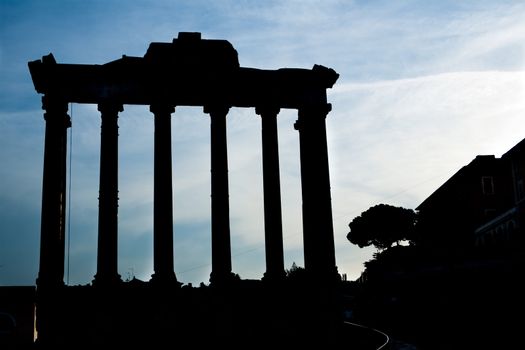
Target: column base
[[165, 280], [49, 283], [223, 278], [325, 276], [106, 281], [274, 277]]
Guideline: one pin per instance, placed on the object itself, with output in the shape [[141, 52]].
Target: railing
[[368, 338]]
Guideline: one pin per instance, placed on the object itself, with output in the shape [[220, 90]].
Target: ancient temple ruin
[[190, 71]]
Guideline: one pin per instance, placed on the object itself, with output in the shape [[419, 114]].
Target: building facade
[[480, 205]]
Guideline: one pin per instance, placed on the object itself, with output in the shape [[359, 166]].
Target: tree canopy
[[381, 226]]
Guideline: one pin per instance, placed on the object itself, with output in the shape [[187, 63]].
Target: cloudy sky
[[424, 87]]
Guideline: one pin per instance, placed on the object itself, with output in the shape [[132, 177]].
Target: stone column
[[52, 234], [318, 232], [273, 230], [107, 255], [163, 197], [220, 208]]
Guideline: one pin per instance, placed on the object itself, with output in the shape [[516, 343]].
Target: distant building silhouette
[[459, 286], [507, 228], [480, 205]]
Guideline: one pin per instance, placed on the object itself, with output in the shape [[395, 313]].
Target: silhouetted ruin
[[190, 71], [455, 286]]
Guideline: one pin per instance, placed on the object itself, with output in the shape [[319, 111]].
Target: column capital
[[51, 103], [321, 109], [315, 111], [56, 110], [110, 107], [216, 109], [267, 110], [161, 108]]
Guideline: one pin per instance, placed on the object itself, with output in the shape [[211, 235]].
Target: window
[[520, 190], [487, 185], [489, 213]]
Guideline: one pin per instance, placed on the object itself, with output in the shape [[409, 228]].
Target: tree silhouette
[[295, 273], [381, 226]]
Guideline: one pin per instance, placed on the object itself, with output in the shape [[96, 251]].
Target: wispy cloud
[[439, 121]]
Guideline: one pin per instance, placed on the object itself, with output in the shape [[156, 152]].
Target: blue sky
[[424, 87]]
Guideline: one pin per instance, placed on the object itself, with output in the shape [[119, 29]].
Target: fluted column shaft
[[273, 231], [163, 196], [52, 235], [107, 255], [318, 232], [220, 207]]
